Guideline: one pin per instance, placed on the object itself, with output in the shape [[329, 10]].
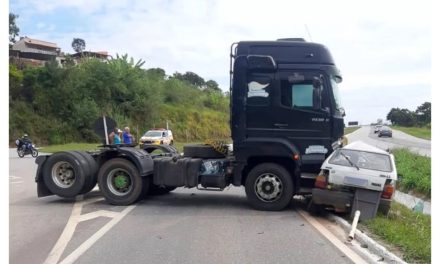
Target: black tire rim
[[268, 187], [119, 182], [63, 174]]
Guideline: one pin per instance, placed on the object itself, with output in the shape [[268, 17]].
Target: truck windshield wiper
[[349, 160]]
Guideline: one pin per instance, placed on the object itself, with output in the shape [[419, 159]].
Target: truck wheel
[[120, 182], [64, 175], [201, 151], [91, 178], [269, 187], [157, 190]]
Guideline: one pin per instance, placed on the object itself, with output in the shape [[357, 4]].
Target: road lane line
[[66, 236], [96, 214], [95, 237], [333, 239]]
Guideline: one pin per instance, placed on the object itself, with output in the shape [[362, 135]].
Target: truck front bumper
[[341, 201]]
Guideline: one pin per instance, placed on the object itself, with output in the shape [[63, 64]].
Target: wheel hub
[[62, 174], [268, 187], [121, 181]]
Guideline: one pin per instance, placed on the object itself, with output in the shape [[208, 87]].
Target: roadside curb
[[372, 245]]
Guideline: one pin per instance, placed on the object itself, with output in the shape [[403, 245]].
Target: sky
[[382, 48]]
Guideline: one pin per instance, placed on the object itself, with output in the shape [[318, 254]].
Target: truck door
[[298, 116], [259, 104]]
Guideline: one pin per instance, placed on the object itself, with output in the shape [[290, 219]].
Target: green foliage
[[405, 117], [59, 105], [78, 45], [415, 171], [409, 231], [13, 28]]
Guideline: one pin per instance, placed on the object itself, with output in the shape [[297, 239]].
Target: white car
[[355, 166], [157, 137], [377, 128]]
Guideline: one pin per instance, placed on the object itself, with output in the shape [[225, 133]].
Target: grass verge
[[409, 231], [420, 132], [70, 146], [348, 130], [415, 171]]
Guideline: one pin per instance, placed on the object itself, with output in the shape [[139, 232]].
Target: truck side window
[[296, 95], [258, 91]]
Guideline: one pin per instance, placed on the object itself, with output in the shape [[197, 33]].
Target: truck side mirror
[[261, 63], [317, 89]]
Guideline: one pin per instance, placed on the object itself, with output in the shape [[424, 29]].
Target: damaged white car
[[356, 177]]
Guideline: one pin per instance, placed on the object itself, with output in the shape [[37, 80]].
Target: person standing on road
[[117, 137], [126, 136]]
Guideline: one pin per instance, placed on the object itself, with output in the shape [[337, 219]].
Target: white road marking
[[333, 239], [101, 232], [75, 218], [15, 179]]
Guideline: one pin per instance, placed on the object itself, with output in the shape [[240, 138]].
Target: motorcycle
[[26, 148]]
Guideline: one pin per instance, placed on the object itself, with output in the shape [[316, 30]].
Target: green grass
[[415, 171], [349, 130], [70, 146], [405, 229], [420, 132]]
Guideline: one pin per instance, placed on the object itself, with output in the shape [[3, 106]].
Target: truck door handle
[[280, 125]]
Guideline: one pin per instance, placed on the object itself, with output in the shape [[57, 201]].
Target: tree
[[13, 28], [191, 78], [78, 45], [212, 86], [423, 113], [401, 117]]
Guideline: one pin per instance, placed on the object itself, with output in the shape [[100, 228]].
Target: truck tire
[[201, 151], [269, 187], [120, 182], [64, 174], [91, 178], [157, 190]]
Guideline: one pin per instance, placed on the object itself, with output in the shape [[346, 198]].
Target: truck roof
[[287, 51]]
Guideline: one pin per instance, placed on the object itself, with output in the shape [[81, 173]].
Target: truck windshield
[[334, 81]]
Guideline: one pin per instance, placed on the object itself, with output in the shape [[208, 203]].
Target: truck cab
[[285, 105]]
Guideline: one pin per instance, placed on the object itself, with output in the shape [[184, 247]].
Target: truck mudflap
[[169, 171], [42, 189], [141, 159]]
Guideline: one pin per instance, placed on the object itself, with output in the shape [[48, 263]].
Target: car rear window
[[362, 159]]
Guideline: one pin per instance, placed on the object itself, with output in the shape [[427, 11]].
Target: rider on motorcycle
[[24, 141]]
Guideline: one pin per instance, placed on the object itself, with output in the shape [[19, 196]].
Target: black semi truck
[[286, 118]]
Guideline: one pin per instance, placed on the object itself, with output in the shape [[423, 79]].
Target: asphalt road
[[185, 226], [398, 140]]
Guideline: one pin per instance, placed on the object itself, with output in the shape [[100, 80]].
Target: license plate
[[355, 181]]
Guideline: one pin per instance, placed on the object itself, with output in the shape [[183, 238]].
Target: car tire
[[201, 151], [64, 174], [120, 182], [269, 187]]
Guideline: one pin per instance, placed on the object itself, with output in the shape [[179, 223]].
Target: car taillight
[[388, 191], [321, 180]]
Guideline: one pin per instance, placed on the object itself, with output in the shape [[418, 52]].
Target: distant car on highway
[[385, 132], [377, 128], [157, 137]]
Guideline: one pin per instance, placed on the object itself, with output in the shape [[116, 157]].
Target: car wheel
[[120, 182], [269, 187]]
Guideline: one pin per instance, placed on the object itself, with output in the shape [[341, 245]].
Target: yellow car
[[157, 137]]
